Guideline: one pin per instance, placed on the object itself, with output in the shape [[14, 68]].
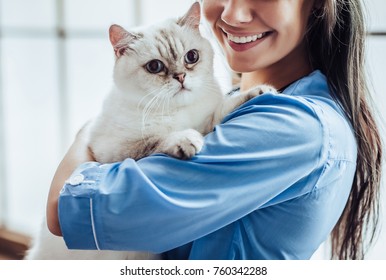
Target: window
[[376, 59]]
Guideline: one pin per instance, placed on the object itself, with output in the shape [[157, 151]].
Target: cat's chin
[[183, 90]]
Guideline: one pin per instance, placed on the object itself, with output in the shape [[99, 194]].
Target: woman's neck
[[280, 74]]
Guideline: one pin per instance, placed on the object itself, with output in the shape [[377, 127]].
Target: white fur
[[138, 106], [143, 105], [50, 247]]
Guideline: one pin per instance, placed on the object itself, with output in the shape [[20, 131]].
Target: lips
[[244, 42], [244, 39]]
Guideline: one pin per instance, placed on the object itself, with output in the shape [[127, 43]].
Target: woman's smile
[[265, 39], [244, 41]]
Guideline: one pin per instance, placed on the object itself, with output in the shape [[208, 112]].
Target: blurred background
[[55, 68]]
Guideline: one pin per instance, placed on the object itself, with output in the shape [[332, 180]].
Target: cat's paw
[[259, 90], [183, 144]]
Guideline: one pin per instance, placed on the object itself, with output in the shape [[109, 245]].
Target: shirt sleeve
[[248, 162]]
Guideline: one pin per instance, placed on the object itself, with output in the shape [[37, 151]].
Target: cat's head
[[169, 61]]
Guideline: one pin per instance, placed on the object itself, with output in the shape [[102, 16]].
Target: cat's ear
[[192, 17], [119, 38]]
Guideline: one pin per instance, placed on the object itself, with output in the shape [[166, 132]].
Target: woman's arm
[[159, 203], [77, 154]]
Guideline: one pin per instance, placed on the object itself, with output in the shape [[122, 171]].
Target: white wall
[[376, 61]]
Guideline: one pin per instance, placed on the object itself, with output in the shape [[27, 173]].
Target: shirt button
[[76, 179]]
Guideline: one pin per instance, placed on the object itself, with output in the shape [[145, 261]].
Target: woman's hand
[[76, 155]]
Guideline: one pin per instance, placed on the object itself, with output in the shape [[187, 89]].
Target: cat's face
[[171, 62]]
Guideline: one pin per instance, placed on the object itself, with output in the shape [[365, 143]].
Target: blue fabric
[[270, 183]]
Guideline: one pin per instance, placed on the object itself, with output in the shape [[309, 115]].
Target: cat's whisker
[[152, 105], [140, 103], [165, 106], [147, 110]]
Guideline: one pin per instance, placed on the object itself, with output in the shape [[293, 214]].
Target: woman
[[275, 178]]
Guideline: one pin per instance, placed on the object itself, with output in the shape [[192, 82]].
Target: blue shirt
[[270, 183]]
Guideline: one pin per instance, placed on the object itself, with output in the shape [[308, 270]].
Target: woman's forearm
[[76, 155]]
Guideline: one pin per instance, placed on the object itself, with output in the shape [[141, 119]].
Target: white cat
[[164, 99]]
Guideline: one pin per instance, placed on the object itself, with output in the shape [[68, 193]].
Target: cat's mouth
[[183, 89]]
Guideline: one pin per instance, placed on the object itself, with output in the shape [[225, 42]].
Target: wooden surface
[[13, 245]]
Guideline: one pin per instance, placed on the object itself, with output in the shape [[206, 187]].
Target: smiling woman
[[305, 165], [53, 79]]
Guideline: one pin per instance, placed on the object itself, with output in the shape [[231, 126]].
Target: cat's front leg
[[182, 144], [232, 102], [257, 91]]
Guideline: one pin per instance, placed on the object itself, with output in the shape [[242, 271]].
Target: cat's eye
[[192, 56], [155, 66]]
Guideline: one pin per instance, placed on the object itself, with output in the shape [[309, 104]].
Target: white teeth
[[244, 39]]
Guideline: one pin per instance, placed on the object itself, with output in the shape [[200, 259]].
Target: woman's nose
[[236, 12]]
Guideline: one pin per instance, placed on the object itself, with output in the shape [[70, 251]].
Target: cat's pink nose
[[180, 77]]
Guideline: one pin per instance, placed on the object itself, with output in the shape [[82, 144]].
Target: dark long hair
[[336, 41]]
